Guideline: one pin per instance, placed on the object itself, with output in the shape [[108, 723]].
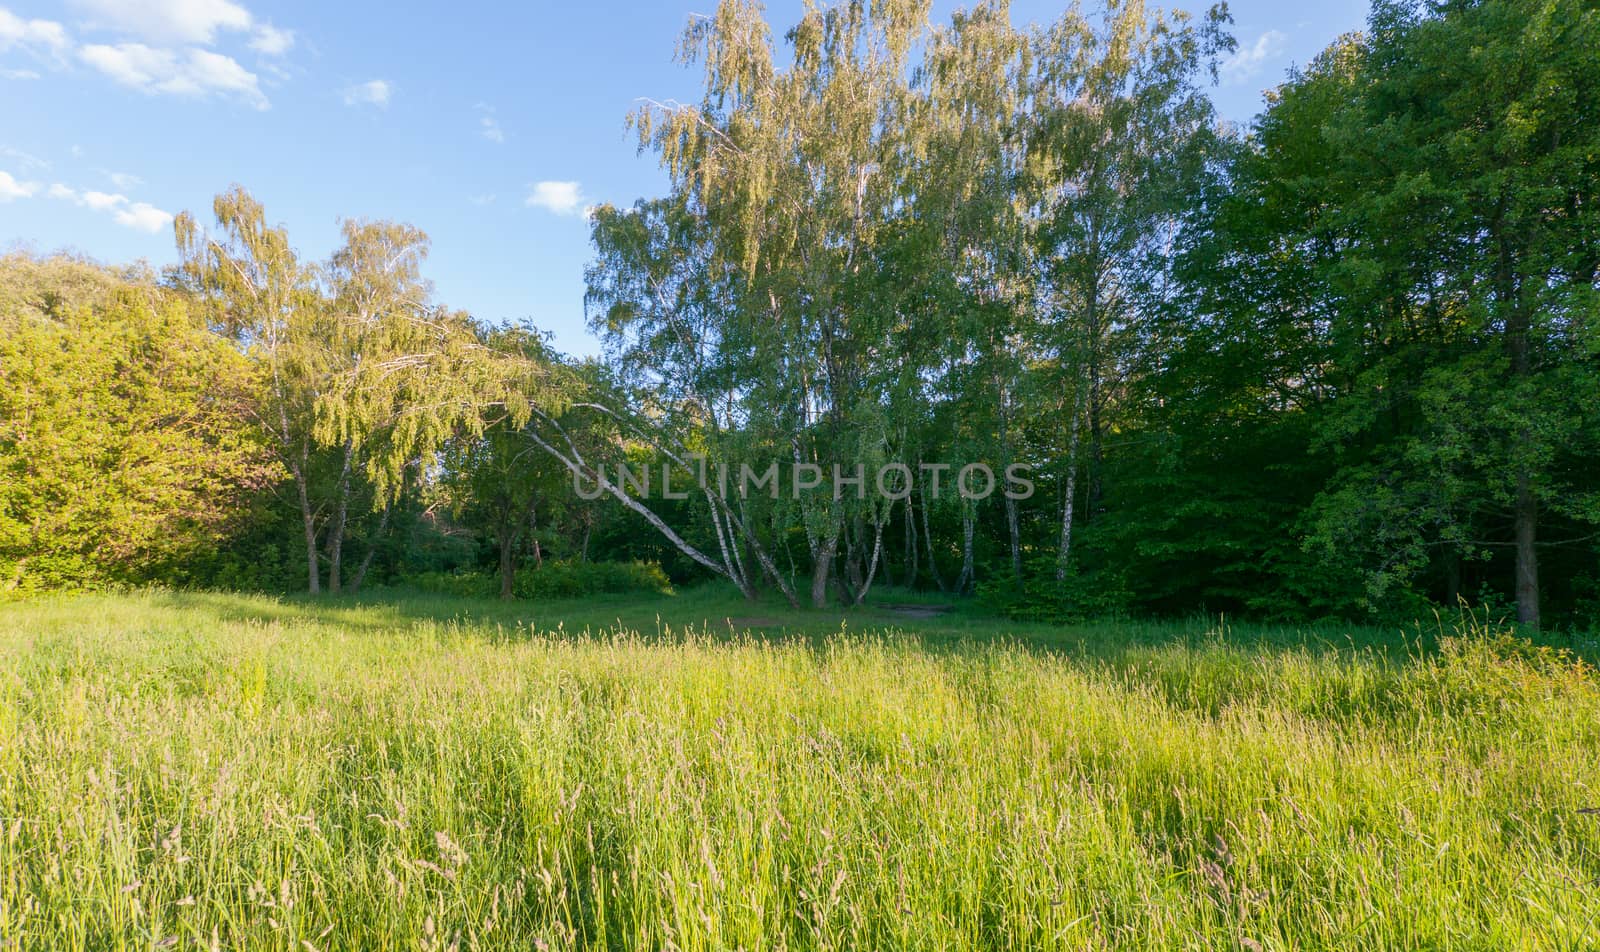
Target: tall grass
[[204, 772]]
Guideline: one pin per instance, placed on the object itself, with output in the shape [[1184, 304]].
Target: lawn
[[224, 771]]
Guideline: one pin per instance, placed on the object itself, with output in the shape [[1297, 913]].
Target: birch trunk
[[308, 520], [1064, 553], [933, 560], [336, 529]]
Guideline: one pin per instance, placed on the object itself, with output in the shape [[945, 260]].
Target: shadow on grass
[[1343, 674], [720, 613]]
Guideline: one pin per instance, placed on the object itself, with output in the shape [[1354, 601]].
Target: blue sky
[[490, 126]]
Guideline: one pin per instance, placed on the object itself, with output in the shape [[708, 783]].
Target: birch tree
[[1122, 126]]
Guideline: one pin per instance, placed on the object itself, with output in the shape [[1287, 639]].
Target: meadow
[[213, 771]]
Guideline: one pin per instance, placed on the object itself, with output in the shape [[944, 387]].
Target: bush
[[552, 579], [575, 579], [50, 571], [124, 442], [459, 584], [1040, 597]]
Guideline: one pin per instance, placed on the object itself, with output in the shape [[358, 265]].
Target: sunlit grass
[[198, 771]]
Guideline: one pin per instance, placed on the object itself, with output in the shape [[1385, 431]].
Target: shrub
[[566, 579], [552, 579], [1041, 597], [124, 446], [461, 584]]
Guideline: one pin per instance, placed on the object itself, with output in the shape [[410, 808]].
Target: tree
[[1500, 148], [1403, 271], [972, 124], [659, 301], [793, 171], [359, 366], [497, 478], [1122, 128], [262, 296]]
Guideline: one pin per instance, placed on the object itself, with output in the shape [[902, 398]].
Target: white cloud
[[561, 198], [140, 216], [196, 73], [40, 37], [24, 159], [125, 180], [482, 200], [11, 189], [171, 59], [169, 56], [169, 21], [213, 71], [374, 92], [271, 41], [143, 217], [101, 201], [1247, 61]]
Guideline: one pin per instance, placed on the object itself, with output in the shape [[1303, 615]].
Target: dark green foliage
[[1379, 374], [1041, 597]]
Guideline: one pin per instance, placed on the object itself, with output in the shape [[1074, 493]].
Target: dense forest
[[1343, 363]]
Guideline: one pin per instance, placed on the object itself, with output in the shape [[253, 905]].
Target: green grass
[[199, 771]]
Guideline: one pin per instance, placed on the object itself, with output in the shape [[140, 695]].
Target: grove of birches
[[1340, 362]]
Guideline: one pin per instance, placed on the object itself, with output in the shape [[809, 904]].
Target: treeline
[[1343, 363], [194, 428], [247, 420]]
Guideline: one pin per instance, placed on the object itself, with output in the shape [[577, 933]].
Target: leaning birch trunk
[[730, 563], [372, 550], [738, 521], [726, 527], [872, 564], [765, 558], [748, 583], [578, 469]]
